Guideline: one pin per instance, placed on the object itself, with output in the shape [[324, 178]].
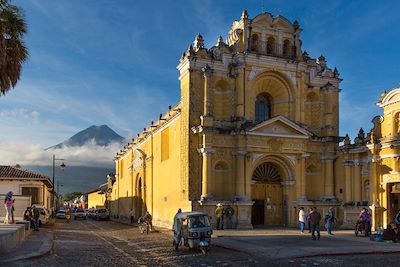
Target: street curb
[[348, 254], [311, 255], [34, 255]]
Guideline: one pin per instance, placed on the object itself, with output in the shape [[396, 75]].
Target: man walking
[[302, 219], [229, 217], [132, 215], [315, 218], [36, 216], [219, 213], [330, 220]]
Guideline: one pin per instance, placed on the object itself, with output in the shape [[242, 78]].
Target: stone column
[[348, 181], [206, 185], [329, 182], [240, 174], [357, 182], [301, 178], [263, 42], [207, 98], [303, 195], [373, 188]]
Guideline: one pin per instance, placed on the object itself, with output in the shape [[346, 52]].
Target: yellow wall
[[96, 200]]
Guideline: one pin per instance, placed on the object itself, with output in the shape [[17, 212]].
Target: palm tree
[[12, 49]]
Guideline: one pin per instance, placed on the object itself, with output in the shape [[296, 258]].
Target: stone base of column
[[302, 199], [329, 199]]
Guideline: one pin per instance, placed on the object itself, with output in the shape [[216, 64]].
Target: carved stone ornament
[[254, 71]]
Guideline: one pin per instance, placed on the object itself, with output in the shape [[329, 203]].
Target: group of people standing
[[313, 219], [32, 215], [220, 213]]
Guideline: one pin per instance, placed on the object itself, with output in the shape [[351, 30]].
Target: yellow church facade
[[256, 128], [368, 168]]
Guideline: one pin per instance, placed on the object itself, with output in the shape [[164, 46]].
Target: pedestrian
[[229, 217], [219, 213], [315, 219], [149, 220], [132, 215], [330, 220], [302, 219], [397, 219], [36, 216], [12, 211], [367, 218], [68, 215], [177, 227], [8, 203], [28, 216], [308, 219]]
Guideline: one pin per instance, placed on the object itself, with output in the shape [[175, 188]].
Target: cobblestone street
[[106, 243]]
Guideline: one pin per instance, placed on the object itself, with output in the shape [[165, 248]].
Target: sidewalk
[[35, 245], [289, 243]]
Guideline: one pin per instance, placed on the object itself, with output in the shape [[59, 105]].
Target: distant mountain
[[102, 135]]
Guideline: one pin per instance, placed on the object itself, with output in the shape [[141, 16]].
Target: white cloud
[[24, 153]]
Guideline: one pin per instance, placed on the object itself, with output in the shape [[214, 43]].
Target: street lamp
[[54, 167]]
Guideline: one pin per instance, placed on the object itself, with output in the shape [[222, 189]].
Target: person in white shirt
[[302, 219]]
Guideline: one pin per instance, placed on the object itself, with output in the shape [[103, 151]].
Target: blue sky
[[114, 62]]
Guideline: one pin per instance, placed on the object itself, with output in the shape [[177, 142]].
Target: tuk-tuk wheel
[[204, 250], [176, 245]]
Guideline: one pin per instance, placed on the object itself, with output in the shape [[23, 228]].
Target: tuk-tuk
[[193, 230]]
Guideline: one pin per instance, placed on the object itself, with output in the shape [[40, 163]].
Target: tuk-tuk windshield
[[199, 221]]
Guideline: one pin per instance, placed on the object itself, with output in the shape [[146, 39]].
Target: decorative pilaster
[[207, 98], [240, 174], [329, 182], [348, 181], [357, 182], [301, 178], [374, 183], [206, 184]]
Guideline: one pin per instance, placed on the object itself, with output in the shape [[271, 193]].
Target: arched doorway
[[267, 194]]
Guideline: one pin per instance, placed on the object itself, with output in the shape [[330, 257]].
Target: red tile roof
[[10, 172]]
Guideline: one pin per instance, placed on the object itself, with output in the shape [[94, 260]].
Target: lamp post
[[54, 167]]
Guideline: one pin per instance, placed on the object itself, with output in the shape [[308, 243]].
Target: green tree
[[71, 195], [12, 49]]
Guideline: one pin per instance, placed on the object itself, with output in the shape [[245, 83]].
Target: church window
[[270, 45], [263, 108], [254, 42], [287, 49], [165, 144]]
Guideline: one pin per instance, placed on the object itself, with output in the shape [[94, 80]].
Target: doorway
[[257, 212], [393, 200]]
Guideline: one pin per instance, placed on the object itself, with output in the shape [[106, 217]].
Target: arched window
[[287, 49], [263, 108], [254, 42], [270, 45]]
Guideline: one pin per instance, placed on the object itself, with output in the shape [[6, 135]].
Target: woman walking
[[8, 204]]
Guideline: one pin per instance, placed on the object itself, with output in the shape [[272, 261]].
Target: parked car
[[79, 214], [60, 214], [91, 213], [102, 214]]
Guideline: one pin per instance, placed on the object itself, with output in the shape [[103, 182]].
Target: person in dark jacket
[[315, 218], [36, 216]]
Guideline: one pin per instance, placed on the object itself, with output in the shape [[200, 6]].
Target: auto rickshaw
[[193, 230]]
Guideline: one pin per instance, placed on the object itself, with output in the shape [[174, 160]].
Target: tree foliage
[[71, 196], [13, 51]]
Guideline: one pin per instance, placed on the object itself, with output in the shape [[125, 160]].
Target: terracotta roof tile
[[15, 173]]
